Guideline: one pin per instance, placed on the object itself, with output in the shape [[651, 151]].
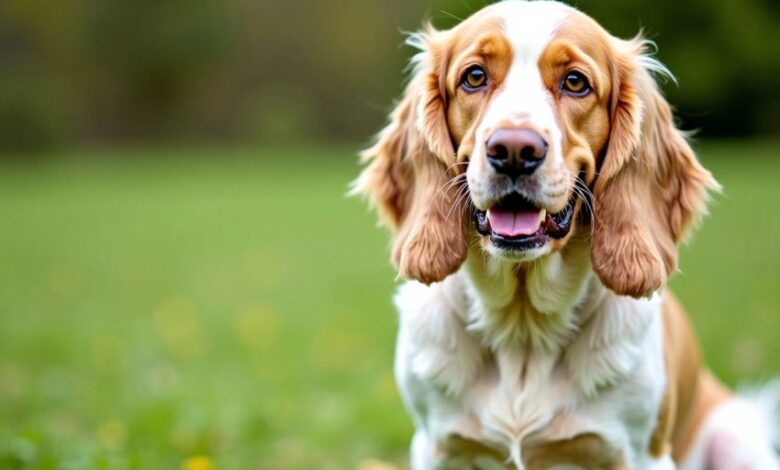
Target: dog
[[537, 191]]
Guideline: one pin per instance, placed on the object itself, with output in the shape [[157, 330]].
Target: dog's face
[[528, 106], [527, 123]]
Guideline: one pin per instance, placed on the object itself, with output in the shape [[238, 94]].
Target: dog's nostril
[[500, 152], [528, 153]]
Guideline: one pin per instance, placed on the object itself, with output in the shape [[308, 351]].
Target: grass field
[[231, 309]]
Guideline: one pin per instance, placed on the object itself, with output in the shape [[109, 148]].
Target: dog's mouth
[[517, 223]]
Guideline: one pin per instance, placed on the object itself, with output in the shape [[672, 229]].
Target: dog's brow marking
[[523, 98], [529, 26]]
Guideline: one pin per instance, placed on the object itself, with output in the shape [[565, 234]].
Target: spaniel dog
[[537, 191]]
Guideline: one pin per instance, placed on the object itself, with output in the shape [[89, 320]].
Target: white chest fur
[[486, 375]]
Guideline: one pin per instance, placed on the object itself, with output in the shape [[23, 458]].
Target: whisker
[[589, 207], [462, 198], [452, 181], [453, 165], [584, 194], [451, 15], [579, 183], [460, 175], [455, 202], [450, 167]]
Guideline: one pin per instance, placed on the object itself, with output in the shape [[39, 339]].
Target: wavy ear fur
[[651, 189], [410, 169]]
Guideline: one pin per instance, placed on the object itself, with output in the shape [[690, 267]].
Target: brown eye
[[575, 84], [474, 78]]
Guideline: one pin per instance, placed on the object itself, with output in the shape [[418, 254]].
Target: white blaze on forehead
[[523, 100], [529, 27]]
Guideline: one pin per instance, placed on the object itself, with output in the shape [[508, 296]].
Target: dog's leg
[[738, 434]]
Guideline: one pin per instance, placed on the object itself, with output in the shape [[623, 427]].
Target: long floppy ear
[[409, 177], [650, 189]]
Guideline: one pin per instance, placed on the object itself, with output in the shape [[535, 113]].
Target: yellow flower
[[198, 462]]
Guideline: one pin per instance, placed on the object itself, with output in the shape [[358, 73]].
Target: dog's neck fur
[[554, 310], [534, 303]]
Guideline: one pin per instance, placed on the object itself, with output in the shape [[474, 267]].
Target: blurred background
[[183, 283]]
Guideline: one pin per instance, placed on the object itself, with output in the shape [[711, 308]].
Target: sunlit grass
[[231, 309]]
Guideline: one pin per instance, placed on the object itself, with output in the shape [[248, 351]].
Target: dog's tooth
[[542, 215]]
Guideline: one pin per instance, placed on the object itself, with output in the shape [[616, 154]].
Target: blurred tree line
[[79, 71]]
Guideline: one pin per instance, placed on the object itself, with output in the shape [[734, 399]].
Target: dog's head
[[522, 126]]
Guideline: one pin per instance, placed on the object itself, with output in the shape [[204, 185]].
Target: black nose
[[516, 152]]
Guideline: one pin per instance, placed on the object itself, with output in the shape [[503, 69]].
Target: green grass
[[161, 305]]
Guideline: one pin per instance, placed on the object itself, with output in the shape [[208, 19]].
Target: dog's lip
[[555, 225]]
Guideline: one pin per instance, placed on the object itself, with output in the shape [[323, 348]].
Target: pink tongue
[[513, 224]]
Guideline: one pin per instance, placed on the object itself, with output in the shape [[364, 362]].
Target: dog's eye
[[474, 78], [575, 84]]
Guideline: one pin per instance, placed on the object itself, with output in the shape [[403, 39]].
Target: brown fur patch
[[586, 450], [691, 391], [650, 189]]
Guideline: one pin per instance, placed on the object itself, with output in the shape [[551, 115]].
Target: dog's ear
[[650, 189], [409, 177]]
